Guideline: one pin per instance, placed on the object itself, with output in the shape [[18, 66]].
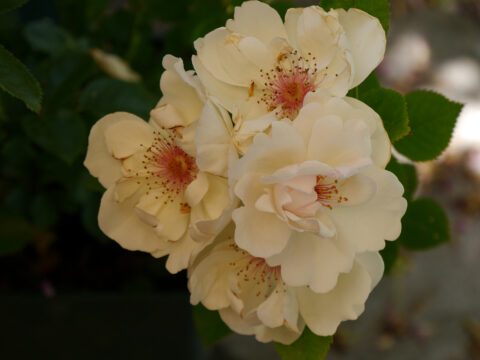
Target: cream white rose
[[315, 193], [253, 299], [157, 196], [277, 63]]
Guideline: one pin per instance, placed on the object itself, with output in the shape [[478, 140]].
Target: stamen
[[327, 192]]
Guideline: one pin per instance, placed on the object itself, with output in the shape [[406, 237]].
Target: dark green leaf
[[389, 255], [390, 105], [7, 5], [370, 83], [308, 347], [14, 234], [209, 325], [16, 80], [378, 8], [432, 120], [108, 95], [44, 35], [282, 6], [407, 174], [424, 226], [63, 135]]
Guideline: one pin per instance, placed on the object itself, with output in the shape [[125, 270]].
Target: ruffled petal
[[324, 312], [367, 41], [119, 221], [377, 220], [257, 19], [261, 234], [311, 260], [128, 136], [99, 160]]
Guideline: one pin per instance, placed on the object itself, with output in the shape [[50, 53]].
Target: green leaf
[[14, 234], [63, 134], [108, 95], [424, 226], [378, 8], [307, 347], [389, 255], [43, 35], [209, 325], [16, 80], [391, 107], [432, 120], [7, 5], [370, 83], [407, 174]]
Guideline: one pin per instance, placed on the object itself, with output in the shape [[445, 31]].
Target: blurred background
[[67, 291]]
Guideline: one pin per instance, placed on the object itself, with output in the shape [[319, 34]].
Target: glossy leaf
[[16, 80], [407, 174], [432, 120], [307, 347], [43, 35], [424, 226], [209, 325]]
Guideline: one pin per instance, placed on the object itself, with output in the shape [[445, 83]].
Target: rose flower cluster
[[257, 174]]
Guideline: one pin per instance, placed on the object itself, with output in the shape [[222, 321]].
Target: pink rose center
[[327, 192], [169, 167], [287, 84]]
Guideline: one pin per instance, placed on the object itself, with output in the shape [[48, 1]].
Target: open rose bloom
[[257, 173]]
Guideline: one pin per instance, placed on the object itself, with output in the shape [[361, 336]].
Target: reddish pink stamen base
[[169, 168]]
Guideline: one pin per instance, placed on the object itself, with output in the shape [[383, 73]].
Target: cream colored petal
[[270, 312], [291, 25], [99, 160], [226, 94], [182, 253], [257, 19], [381, 146], [373, 263], [197, 189], [309, 259], [281, 334], [377, 220], [213, 139], [324, 312], [238, 324], [181, 90], [128, 136], [367, 41], [261, 234], [119, 221]]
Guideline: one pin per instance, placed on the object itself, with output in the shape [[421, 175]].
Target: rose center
[[287, 84], [327, 192]]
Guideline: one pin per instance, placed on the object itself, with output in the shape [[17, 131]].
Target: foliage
[[209, 325], [308, 346]]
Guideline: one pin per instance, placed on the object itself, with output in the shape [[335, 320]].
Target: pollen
[[168, 168], [327, 192], [287, 84]]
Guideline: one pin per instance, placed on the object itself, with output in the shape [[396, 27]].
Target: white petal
[[128, 136], [324, 312], [367, 41], [182, 91], [226, 94], [377, 220], [261, 234], [373, 263], [213, 139], [197, 189], [311, 260], [281, 334], [182, 253], [99, 160], [254, 18], [119, 221]]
